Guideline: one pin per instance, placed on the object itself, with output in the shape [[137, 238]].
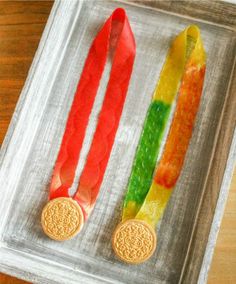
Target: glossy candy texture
[[154, 126], [170, 165], [145, 159], [109, 117]]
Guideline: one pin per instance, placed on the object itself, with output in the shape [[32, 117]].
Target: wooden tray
[[190, 224]]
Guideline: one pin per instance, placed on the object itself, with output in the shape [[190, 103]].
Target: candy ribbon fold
[[116, 29], [185, 66]]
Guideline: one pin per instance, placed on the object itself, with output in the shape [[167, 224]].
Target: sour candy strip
[[154, 126], [171, 163], [142, 218]]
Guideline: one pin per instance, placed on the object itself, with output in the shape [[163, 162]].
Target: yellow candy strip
[[154, 126], [172, 71], [180, 133]]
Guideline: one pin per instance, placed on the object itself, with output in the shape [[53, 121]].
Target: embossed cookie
[[134, 241], [62, 218]]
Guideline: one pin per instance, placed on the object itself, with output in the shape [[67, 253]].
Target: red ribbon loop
[[108, 121]]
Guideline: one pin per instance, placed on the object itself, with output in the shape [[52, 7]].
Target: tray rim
[[229, 161]]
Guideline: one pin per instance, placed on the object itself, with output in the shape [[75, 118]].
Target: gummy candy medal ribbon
[[134, 240], [63, 217]]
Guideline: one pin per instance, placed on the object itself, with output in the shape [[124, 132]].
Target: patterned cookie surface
[[134, 241], [62, 218]]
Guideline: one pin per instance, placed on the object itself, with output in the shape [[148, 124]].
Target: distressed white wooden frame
[[53, 58]]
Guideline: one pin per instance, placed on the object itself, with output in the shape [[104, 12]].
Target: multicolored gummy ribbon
[[134, 240], [63, 216]]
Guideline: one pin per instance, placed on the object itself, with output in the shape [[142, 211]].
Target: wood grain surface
[[21, 26]]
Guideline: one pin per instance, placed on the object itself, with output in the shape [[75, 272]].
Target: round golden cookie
[[62, 218], [134, 241]]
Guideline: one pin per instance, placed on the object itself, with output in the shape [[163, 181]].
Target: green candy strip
[[146, 156]]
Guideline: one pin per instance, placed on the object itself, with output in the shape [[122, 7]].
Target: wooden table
[[21, 26]]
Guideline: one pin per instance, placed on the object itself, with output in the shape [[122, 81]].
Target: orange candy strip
[[181, 129]]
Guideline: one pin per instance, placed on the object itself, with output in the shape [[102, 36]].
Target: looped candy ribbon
[[116, 28], [147, 196]]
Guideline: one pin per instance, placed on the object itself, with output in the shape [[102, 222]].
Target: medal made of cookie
[[134, 240], [63, 217]]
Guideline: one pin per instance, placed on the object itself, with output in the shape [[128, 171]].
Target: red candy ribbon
[[109, 117]]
